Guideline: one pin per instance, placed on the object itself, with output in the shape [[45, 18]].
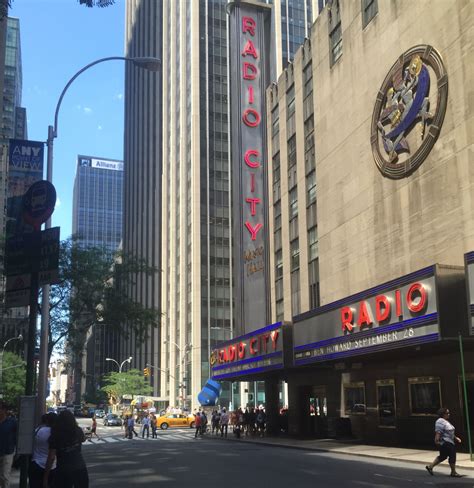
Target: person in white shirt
[[224, 422], [40, 452], [446, 440]]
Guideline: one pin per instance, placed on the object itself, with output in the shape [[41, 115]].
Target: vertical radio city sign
[[249, 27]]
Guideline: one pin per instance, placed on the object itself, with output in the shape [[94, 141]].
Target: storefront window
[[386, 402], [425, 395], [354, 398]]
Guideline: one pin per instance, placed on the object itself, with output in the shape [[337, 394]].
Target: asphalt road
[[178, 460]]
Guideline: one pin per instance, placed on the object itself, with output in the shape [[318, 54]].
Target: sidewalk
[[353, 448]]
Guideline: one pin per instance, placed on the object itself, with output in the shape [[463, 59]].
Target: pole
[[30, 363], [466, 405], [44, 335]]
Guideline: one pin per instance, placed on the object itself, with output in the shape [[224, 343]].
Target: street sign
[[38, 203], [18, 282], [17, 298]]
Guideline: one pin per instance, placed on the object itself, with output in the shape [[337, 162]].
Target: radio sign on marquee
[[249, 73]]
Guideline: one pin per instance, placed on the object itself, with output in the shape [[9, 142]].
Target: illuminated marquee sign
[[254, 352], [249, 68], [402, 312]]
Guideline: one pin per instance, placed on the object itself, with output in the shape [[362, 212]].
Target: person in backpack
[[203, 422], [197, 424]]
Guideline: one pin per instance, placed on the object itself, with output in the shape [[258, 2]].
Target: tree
[[129, 383], [13, 377], [93, 291]]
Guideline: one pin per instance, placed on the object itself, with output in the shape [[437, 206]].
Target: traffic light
[[146, 371]]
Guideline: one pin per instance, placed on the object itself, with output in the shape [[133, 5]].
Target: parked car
[[112, 419], [175, 420], [99, 413]]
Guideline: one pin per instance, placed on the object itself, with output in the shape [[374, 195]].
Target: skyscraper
[[97, 222], [195, 241]]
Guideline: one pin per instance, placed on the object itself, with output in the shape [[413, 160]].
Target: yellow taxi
[[175, 420]]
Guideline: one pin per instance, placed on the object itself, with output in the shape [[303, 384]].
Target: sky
[[58, 38]]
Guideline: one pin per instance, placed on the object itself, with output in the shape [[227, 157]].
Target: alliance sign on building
[[249, 72]]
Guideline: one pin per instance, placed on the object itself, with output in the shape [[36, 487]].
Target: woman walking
[[446, 440], [65, 447]]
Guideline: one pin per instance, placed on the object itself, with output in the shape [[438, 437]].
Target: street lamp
[[148, 63], [128, 360], [19, 338]]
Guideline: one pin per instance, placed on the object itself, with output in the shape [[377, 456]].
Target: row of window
[[424, 398], [369, 9]]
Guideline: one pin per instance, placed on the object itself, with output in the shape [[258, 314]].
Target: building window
[[354, 398], [313, 275], [369, 9], [295, 254], [425, 395], [311, 188], [308, 80], [386, 402], [295, 292], [276, 177], [335, 31], [293, 203], [290, 101], [279, 264], [279, 310], [291, 151], [313, 252]]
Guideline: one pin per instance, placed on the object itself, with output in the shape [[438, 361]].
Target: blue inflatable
[[210, 393]]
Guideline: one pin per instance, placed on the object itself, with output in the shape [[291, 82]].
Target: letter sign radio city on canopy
[[249, 72]]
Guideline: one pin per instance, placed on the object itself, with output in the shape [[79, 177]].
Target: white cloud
[[87, 110], [119, 96], [99, 127]]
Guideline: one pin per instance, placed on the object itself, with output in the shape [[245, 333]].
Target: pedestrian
[[65, 447], [260, 419], [125, 426], [224, 422], [153, 427], [94, 428], [8, 428], [446, 440], [197, 424], [146, 427], [131, 427], [215, 422], [203, 422], [40, 452]]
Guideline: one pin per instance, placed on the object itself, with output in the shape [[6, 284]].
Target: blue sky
[[59, 37]]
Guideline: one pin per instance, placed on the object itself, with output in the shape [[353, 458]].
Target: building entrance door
[[315, 405]]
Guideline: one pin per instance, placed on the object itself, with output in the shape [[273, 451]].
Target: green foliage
[[97, 3], [128, 383], [13, 377], [93, 291], [95, 397]]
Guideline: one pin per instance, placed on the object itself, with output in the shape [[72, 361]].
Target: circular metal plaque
[[409, 111]]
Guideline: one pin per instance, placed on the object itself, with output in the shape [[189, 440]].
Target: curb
[[322, 449]]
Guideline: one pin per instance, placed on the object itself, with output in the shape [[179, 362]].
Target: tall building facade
[[195, 241], [13, 125], [97, 222]]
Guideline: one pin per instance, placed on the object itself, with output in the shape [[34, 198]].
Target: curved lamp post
[[148, 63], [19, 338], [128, 360]]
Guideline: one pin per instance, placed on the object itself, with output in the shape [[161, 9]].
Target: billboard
[[109, 164], [249, 31], [424, 306], [25, 167]]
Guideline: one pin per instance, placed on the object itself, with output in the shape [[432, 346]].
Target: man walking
[[8, 428], [197, 424], [153, 427], [146, 427], [224, 422]]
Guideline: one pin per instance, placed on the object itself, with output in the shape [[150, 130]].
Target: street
[[177, 459]]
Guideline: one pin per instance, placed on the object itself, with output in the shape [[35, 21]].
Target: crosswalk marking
[[163, 437]]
